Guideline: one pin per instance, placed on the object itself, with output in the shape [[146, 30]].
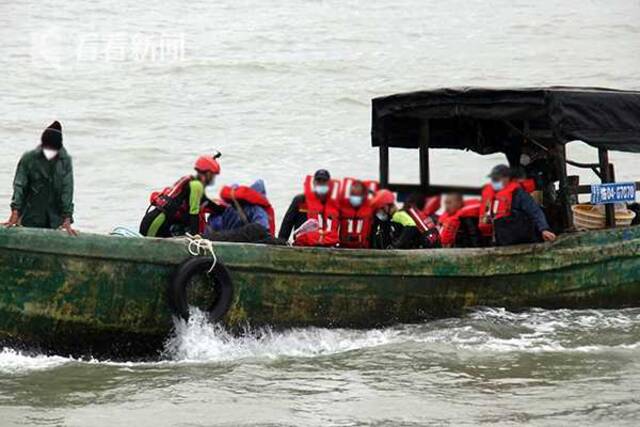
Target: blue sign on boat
[[617, 192]]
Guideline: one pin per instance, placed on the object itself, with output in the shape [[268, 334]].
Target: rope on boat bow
[[198, 246]]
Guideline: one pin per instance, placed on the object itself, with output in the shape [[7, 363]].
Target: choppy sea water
[[283, 88], [490, 367]]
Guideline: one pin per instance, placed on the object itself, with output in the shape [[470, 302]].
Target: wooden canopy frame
[[568, 189]]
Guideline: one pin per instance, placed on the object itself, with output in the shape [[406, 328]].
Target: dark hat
[[500, 171], [52, 136], [322, 175]]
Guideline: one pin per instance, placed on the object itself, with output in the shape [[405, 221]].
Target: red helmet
[[382, 198], [207, 164]]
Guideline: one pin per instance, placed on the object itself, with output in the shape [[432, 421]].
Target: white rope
[[198, 246]]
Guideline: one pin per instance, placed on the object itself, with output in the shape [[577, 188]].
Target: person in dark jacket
[[395, 228], [516, 216], [43, 185], [412, 230], [296, 215], [383, 204]]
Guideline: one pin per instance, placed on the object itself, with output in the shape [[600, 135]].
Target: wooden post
[[424, 157], [384, 166], [605, 172], [563, 187]]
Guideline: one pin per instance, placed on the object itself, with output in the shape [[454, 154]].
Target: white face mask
[[49, 154], [209, 190], [321, 189], [355, 201], [382, 215], [497, 185]]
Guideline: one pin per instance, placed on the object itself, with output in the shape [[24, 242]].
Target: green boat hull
[[105, 295]]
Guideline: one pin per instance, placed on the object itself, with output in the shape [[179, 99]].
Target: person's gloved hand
[[14, 219]]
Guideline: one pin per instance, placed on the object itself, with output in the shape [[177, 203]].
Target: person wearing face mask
[[514, 215], [356, 214], [177, 209], [415, 229], [485, 224], [43, 185], [383, 205], [319, 204], [404, 228]]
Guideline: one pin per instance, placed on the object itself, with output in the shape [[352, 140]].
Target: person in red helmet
[[384, 206], [176, 209], [402, 228]]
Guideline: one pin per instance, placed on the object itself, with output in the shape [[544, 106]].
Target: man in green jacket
[[43, 185]]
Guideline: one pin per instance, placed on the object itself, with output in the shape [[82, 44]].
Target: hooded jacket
[[230, 219]]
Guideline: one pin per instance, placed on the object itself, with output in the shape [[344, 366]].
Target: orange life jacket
[[355, 223], [327, 214], [502, 201], [450, 223], [431, 206], [172, 200], [243, 193], [487, 203]]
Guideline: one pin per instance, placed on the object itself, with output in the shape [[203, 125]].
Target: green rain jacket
[[43, 189]]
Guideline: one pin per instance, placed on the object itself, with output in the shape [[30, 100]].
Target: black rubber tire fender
[[220, 279]]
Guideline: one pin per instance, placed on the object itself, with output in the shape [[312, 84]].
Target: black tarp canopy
[[483, 120]]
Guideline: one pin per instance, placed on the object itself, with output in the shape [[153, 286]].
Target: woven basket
[[592, 217]]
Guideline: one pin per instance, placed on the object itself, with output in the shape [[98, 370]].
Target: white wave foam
[[15, 362], [483, 332], [198, 340]]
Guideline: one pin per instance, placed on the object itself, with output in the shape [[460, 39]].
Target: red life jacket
[[431, 206], [502, 201], [427, 227], [450, 223], [327, 214], [355, 223], [242, 193], [487, 203], [171, 200]]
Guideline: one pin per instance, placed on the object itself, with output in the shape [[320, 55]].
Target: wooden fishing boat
[[108, 295], [115, 296]]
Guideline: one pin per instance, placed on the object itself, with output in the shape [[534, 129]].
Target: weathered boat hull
[[107, 295]]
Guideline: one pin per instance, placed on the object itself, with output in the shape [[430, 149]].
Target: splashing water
[[483, 332], [198, 340], [422, 372], [16, 362]]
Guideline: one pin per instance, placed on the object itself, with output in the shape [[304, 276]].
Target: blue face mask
[[497, 185], [355, 201], [321, 189]]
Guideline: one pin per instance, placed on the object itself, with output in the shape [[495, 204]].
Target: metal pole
[[605, 172]]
